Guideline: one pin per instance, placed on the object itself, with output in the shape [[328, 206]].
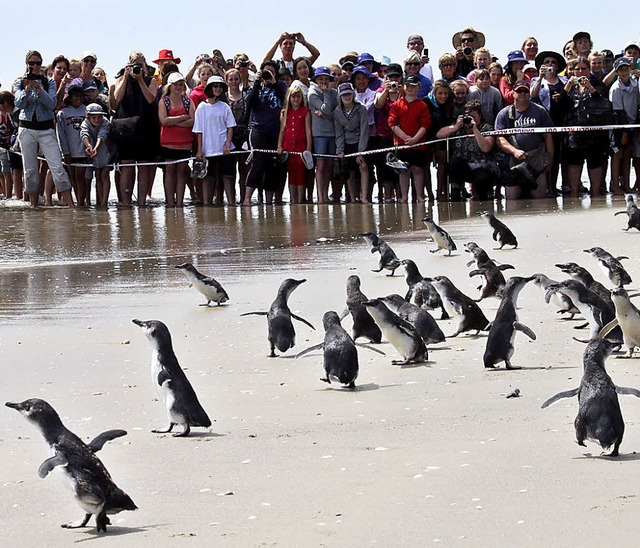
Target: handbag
[[595, 111], [124, 129]]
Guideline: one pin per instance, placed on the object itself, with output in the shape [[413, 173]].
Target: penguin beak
[[14, 405], [139, 323], [428, 279]]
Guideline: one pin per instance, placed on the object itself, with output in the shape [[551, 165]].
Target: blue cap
[[360, 69], [345, 88], [322, 71], [364, 57]]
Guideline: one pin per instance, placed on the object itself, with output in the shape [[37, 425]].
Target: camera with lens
[[136, 68], [266, 76], [549, 69], [467, 51], [243, 64], [393, 85], [467, 119]]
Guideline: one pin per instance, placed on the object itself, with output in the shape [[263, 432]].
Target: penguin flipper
[[254, 314], [505, 267], [626, 391], [344, 314], [98, 442], [526, 330], [163, 377], [302, 320], [309, 350], [620, 213], [608, 328], [363, 345], [51, 463], [566, 394], [475, 273]]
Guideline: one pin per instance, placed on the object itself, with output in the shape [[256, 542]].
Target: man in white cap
[[89, 60]]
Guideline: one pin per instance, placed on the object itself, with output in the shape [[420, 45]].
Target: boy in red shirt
[[409, 120]]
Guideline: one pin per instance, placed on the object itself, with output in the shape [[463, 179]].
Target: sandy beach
[[419, 455]]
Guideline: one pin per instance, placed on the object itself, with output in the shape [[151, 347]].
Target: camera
[[393, 85], [467, 119], [266, 76], [467, 51], [243, 64], [30, 76], [136, 68], [549, 69]]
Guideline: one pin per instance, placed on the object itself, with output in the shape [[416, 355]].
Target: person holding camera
[[265, 102], [246, 69], [36, 97], [471, 160], [466, 42], [412, 64], [513, 72], [287, 43], [135, 126]]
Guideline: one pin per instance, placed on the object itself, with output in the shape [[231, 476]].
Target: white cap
[[88, 53], [174, 77]]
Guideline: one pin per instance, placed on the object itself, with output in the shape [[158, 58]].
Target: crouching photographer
[[471, 159]]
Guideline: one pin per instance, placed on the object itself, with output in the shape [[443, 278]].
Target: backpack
[[185, 102]]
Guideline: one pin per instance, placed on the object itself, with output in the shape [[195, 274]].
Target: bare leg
[[418, 181], [404, 187], [182, 172], [208, 187], [127, 180], [248, 192], [229, 190], [170, 184], [365, 191]]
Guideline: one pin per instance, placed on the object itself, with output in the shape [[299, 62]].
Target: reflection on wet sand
[[53, 255]]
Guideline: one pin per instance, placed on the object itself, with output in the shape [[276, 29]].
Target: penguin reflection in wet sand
[[469, 315], [388, 259], [400, 333], [363, 324], [94, 490], [173, 387], [282, 335], [440, 236], [501, 233], [503, 328], [611, 266], [210, 288], [599, 417], [632, 212]]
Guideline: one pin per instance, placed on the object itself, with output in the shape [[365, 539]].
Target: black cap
[[394, 69], [581, 34], [412, 80]]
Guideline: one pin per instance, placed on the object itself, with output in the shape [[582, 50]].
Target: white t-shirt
[[213, 120]]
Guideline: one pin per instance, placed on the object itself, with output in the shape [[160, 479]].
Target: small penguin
[[388, 259], [465, 309], [583, 276], [599, 417], [94, 490], [503, 328], [400, 333], [565, 304], [206, 285], [282, 335], [632, 212], [501, 232], [363, 324], [595, 310], [611, 266], [340, 356], [173, 387], [627, 317], [421, 292], [440, 237], [419, 318]]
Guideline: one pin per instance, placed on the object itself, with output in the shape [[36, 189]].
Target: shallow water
[[52, 255]]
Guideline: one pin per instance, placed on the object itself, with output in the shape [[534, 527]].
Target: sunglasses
[[447, 65], [89, 60], [521, 91], [415, 43], [470, 40], [34, 63], [580, 68], [214, 86], [550, 62], [412, 64]]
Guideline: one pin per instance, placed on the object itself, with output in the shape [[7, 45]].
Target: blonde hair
[[447, 58], [481, 50], [293, 90], [229, 73], [136, 55]]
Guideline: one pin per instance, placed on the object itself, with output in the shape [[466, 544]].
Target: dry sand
[[421, 455]]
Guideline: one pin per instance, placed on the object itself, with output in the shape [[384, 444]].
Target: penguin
[[210, 288], [400, 333], [595, 310], [470, 316], [94, 490], [282, 335], [504, 326], [501, 232], [565, 304], [421, 292], [440, 237], [599, 417], [611, 266], [173, 387], [388, 259], [627, 317], [632, 212], [363, 324], [420, 319], [340, 356], [583, 276], [481, 258]]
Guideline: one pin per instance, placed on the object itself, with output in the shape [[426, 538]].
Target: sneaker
[[199, 168], [307, 159], [396, 164]]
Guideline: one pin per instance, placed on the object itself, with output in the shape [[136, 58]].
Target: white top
[[427, 71], [213, 120]]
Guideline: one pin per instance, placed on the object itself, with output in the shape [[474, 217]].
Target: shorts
[[350, 164], [595, 157], [79, 160], [169, 154], [5, 165], [324, 145], [225, 163], [15, 161], [413, 157]]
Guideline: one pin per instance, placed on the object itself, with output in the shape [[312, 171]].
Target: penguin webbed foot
[[185, 431], [327, 380], [168, 429], [204, 304], [102, 521], [77, 524], [351, 385], [406, 361]]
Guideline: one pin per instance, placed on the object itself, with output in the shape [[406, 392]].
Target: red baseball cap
[[167, 55]]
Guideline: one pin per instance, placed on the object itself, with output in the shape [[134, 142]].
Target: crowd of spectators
[[233, 130]]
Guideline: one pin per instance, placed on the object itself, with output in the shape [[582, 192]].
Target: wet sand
[[422, 454]]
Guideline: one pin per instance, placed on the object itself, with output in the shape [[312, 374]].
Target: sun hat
[[562, 62], [383, 60], [368, 58], [176, 77], [95, 108], [321, 71], [349, 56], [515, 55], [167, 55], [215, 79], [345, 89], [456, 40], [360, 70]]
